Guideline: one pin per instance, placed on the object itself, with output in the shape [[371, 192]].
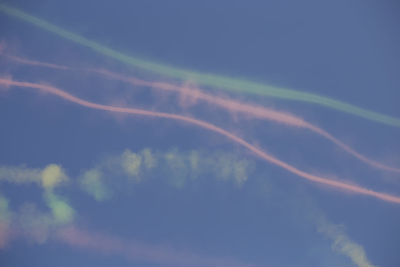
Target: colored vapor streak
[[36, 63], [111, 245], [229, 104], [226, 83], [208, 126], [257, 111], [137, 251]]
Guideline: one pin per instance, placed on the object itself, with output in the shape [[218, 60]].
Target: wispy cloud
[[52, 176], [59, 222], [49, 177], [29, 223], [62, 212], [92, 182], [342, 243], [20, 175], [175, 166]]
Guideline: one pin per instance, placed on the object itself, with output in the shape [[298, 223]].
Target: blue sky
[[205, 195]]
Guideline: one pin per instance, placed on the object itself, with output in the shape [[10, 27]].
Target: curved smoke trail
[[227, 83], [208, 126], [228, 104], [257, 111]]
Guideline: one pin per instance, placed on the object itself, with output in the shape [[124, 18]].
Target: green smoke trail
[[91, 183], [232, 84], [61, 210]]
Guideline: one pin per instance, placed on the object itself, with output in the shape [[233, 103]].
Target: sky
[[199, 133]]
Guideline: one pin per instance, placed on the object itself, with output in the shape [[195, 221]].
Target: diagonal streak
[[208, 126], [222, 82]]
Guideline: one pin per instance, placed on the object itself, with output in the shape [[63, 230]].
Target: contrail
[[208, 126], [36, 63], [257, 111], [137, 251], [227, 83], [229, 104], [39, 228]]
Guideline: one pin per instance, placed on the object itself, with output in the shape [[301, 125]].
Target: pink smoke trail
[[208, 126], [36, 63], [138, 251], [2, 46], [257, 111], [229, 104], [4, 234]]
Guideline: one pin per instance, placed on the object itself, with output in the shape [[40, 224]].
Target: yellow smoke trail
[[51, 176]]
